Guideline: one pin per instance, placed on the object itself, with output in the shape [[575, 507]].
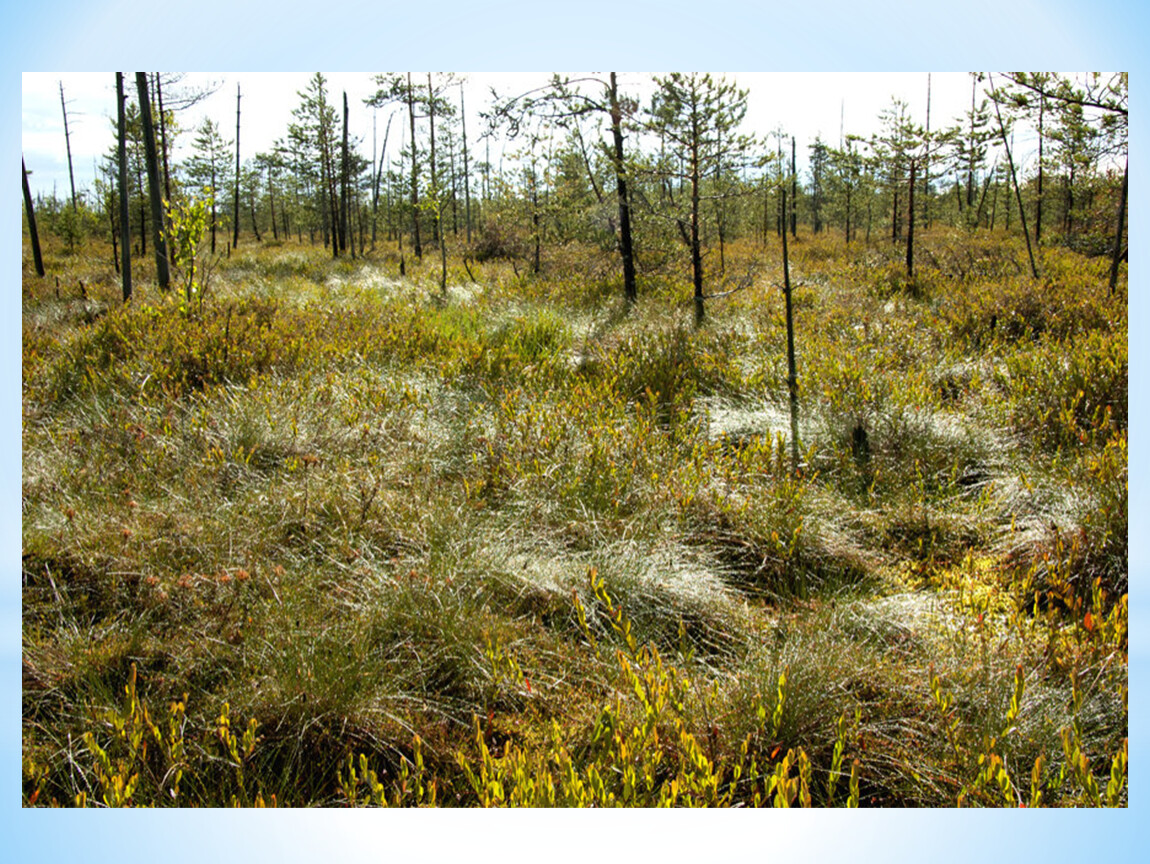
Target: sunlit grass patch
[[523, 530]]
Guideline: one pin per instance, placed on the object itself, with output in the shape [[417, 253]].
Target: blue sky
[[501, 35]]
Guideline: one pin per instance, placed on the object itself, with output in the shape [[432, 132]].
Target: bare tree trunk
[[847, 225], [68, 147], [1017, 191], [33, 235], [236, 196], [454, 190], [794, 193], [533, 186], [971, 148], [436, 226], [330, 192], [1116, 256], [122, 158], [113, 233], [378, 176], [926, 163], [343, 191], [910, 225], [1038, 201], [164, 162], [252, 209], [792, 370], [626, 249], [466, 176], [436, 198], [272, 205], [696, 251], [143, 213], [214, 214], [414, 172], [162, 275]]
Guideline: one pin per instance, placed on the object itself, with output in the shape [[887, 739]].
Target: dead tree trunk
[[794, 193], [158, 241], [414, 172], [122, 158], [32, 233], [68, 147], [792, 371], [343, 191], [164, 161], [626, 250], [466, 176], [1116, 256], [1017, 191], [236, 195], [910, 225]]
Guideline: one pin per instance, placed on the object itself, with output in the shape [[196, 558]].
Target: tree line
[[669, 182]]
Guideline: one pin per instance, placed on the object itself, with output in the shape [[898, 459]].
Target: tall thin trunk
[[847, 226], [330, 191], [378, 175], [143, 207], [765, 227], [720, 200], [486, 175], [33, 234], [252, 208], [1068, 207], [910, 225], [436, 222], [1116, 255], [626, 250], [466, 175], [414, 172], [1017, 191], [164, 163], [454, 188], [978, 220], [162, 274], [895, 219], [343, 181], [993, 200], [926, 163], [970, 149], [1038, 200], [794, 193], [535, 218], [115, 237], [236, 196], [437, 201], [792, 371], [122, 159], [696, 251], [272, 205], [68, 147], [374, 181], [163, 139], [780, 207], [214, 214]]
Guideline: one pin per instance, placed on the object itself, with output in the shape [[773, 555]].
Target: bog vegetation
[[481, 527]]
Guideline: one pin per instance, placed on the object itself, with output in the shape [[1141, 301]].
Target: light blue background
[[506, 35]]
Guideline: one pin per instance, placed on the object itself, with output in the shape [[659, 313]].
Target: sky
[[803, 104], [816, 35]]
